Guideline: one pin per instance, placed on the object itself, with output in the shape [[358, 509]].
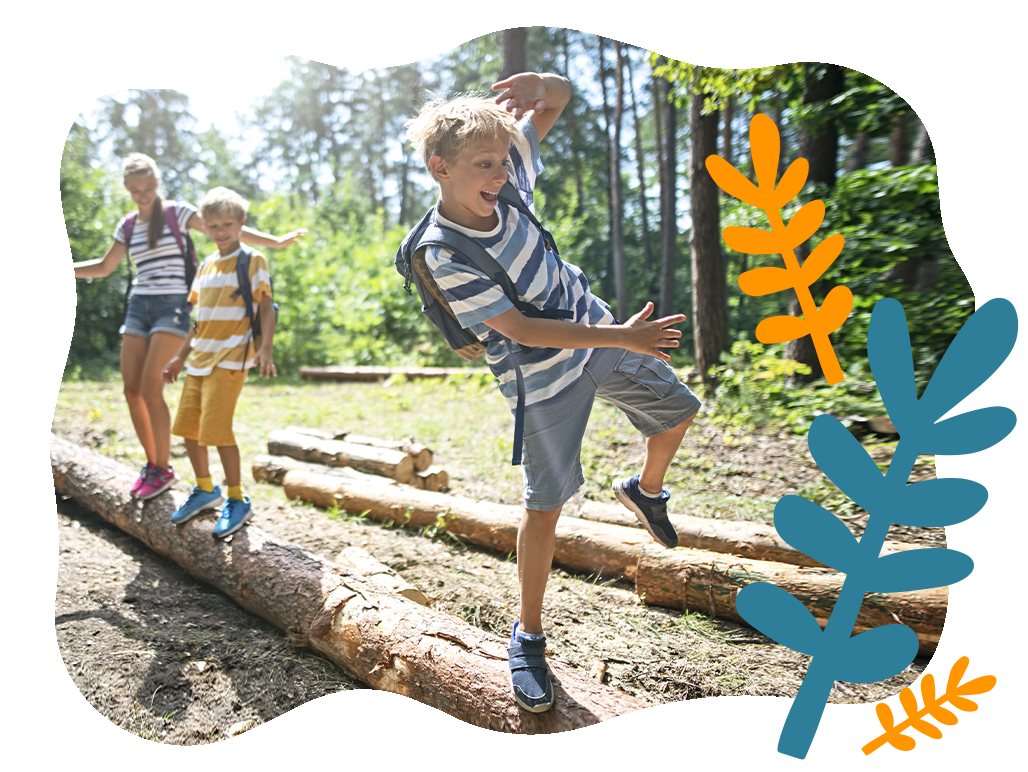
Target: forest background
[[623, 190]]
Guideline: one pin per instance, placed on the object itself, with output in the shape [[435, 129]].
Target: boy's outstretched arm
[[544, 95], [253, 237], [637, 334]]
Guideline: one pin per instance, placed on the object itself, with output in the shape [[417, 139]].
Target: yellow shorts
[[207, 405]]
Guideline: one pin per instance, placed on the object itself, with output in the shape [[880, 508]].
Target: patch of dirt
[[173, 660]]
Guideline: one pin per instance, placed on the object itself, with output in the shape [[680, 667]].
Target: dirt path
[[172, 660]]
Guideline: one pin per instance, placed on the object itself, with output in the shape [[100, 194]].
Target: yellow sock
[[206, 484], [235, 492]]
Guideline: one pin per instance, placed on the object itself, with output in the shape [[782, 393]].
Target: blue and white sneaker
[[198, 501], [529, 675], [234, 515], [652, 513]]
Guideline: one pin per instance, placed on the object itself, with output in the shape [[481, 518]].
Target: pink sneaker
[[143, 474], [157, 481]]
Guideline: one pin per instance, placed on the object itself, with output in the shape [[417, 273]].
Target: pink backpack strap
[[126, 230], [172, 222]]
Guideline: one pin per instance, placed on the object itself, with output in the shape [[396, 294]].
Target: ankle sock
[[206, 484], [235, 492], [649, 495]]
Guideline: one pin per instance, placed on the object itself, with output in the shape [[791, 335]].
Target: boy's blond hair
[[447, 127], [220, 200]]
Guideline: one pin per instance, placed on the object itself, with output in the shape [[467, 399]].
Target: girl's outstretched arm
[[101, 267], [253, 237]]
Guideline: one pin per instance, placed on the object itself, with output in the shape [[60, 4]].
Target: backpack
[[246, 290], [185, 245], [410, 263]]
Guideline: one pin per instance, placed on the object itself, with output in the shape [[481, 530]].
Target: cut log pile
[[683, 578], [379, 636], [403, 461]]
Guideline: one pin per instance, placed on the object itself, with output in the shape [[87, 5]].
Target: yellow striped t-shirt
[[223, 330]]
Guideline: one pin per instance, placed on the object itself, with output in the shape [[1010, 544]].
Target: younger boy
[[223, 350], [473, 147]]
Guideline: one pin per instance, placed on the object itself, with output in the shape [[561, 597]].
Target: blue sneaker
[[652, 513], [234, 515], [529, 675], [198, 501]]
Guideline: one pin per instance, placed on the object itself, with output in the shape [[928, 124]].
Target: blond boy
[[473, 148], [222, 352]]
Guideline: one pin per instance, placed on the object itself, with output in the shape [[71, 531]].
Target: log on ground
[[381, 638], [421, 455], [367, 565], [595, 547], [363, 458], [272, 469], [369, 373]]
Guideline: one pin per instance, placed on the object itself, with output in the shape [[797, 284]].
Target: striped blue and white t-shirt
[[539, 277], [161, 270]]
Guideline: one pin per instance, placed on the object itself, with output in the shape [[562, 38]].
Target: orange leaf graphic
[[778, 329], [753, 240], [765, 151], [822, 256], [803, 224], [764, 281]]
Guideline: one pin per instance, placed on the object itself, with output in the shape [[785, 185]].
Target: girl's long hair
[[140, 164]]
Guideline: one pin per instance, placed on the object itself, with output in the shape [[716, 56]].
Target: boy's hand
[[290, 238], [522, 93], [170, 374], [645, 337], [263, 359]]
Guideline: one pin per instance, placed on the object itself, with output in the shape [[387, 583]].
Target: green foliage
[[93, 202]]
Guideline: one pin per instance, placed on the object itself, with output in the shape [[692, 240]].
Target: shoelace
[[155, 476]]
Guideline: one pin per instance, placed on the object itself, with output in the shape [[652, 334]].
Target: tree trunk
[[617, 208], [709, 319], [727, 134], [899, 140], [364, 458], [938, 131], [512, 51], [572, 130], [367, 565], [858, 152], [640, 162], [597, 547], [379, 637], [709, 583], [273, 469], [821, 151], [668, 206], [613, 199]]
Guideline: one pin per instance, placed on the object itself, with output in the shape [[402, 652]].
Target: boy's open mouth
[[490, 197]]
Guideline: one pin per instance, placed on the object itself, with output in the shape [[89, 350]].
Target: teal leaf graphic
[[891, 360], [779, 616], [917, 569], [845, 462], [814, 530], [938, 503], [874, 655], [970, 432]]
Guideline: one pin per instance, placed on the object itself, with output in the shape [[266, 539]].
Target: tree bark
[[272, 469], [596, 547], [363, 458], [379, 637], [420, 455], [611, 276], [512, 51], [923, 151], [668, 206], [709, 583], [640, 162], [709, 317], [858, 152], [362, 562], [899, 140], [572, 131]]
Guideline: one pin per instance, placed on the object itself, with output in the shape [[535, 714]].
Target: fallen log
[[421, 455], [434, 478], [746, 539], [380, 637], [363, 458], [271, 469], [368, 566], [368, 373], [613, 550]]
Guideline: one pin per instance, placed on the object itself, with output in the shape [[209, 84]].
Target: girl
[[157, 318]]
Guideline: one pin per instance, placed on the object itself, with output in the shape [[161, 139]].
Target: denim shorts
[[643, 387], [148, 314]]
